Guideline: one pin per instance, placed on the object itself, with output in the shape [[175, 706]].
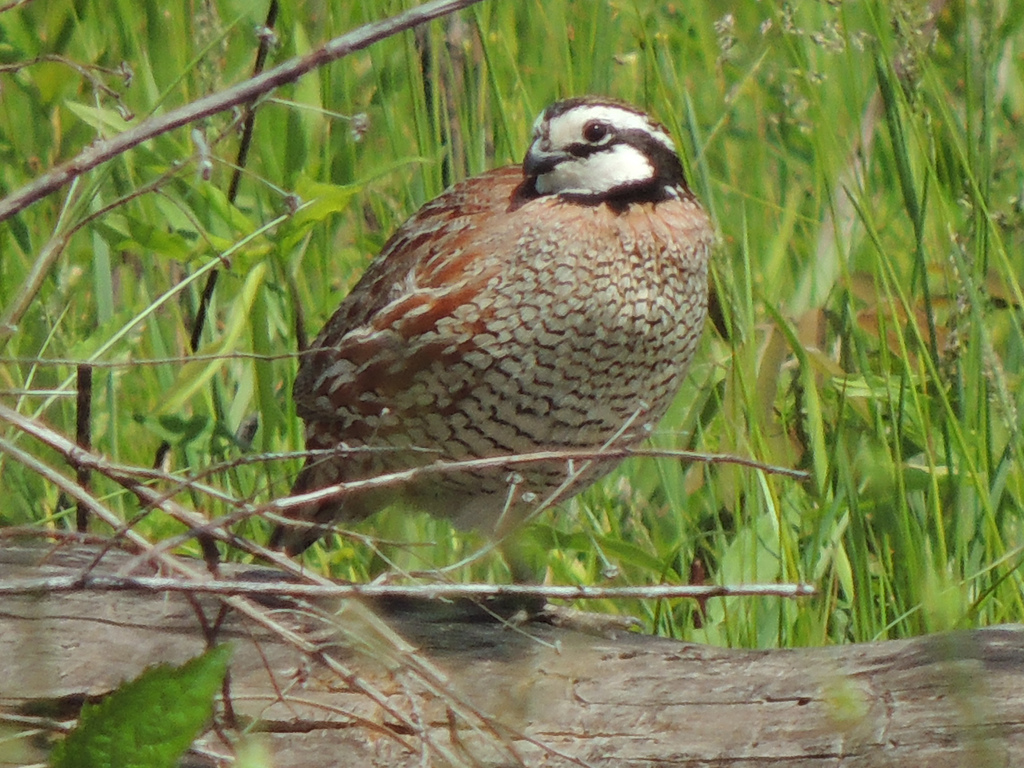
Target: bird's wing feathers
[[429, 267]]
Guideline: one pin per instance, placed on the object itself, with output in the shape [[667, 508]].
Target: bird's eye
[[595, 130]]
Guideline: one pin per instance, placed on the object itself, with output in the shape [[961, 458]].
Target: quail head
[[553, 306]]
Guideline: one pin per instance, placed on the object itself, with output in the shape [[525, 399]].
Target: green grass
[[862, 165]]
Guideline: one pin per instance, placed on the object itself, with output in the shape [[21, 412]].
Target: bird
[[545, 308]]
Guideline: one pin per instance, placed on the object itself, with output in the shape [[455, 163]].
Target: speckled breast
[[579, 342]]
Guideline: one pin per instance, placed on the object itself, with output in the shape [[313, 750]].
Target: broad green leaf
[[218, 201], [148, 722]]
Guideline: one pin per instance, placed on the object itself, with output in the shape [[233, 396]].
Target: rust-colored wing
[[428, 268]]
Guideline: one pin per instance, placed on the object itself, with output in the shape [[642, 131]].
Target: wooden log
[[479, 692]]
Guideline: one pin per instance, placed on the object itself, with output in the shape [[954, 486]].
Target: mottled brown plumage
[[550, 306]]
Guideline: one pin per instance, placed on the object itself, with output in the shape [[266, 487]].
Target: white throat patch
[[603, 171]]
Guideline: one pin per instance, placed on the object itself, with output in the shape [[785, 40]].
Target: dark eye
[[595, 130]]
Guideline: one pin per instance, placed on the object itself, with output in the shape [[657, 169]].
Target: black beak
[[538, 162]]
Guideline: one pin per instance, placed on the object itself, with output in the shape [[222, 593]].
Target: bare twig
[[83, 436], [102, 151], [278, 589], [355, 625], [54, 247], [133, 479], [87, 71], [509, 462], [248, 123], [13, 4]]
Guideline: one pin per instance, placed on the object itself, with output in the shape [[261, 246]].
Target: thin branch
[[83, 436], [278, 589], [100, 152], [132, 479], [72, 488], [93, 461], [54, 247], [13, 4], [241, 159], [53, 362], [508, 462]]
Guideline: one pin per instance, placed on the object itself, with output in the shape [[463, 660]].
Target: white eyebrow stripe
[[567, 128]]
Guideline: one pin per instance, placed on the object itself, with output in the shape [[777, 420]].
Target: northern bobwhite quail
[[554, 305]]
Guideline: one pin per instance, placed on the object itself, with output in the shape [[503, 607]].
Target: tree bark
[[477, 691]]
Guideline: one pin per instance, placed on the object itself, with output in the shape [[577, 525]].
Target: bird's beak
[[539, 161]]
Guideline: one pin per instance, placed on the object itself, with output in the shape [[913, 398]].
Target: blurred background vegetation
[[861, 161]]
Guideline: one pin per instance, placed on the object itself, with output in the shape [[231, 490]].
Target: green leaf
[[194, 375], [320, 200], [629, 553], [155, 239], [101, 119], [148, 722]]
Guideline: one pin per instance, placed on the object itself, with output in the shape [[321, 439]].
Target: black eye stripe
[[586, 150], [641, 139]]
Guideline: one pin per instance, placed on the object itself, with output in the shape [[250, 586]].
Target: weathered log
[[478, 692]]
